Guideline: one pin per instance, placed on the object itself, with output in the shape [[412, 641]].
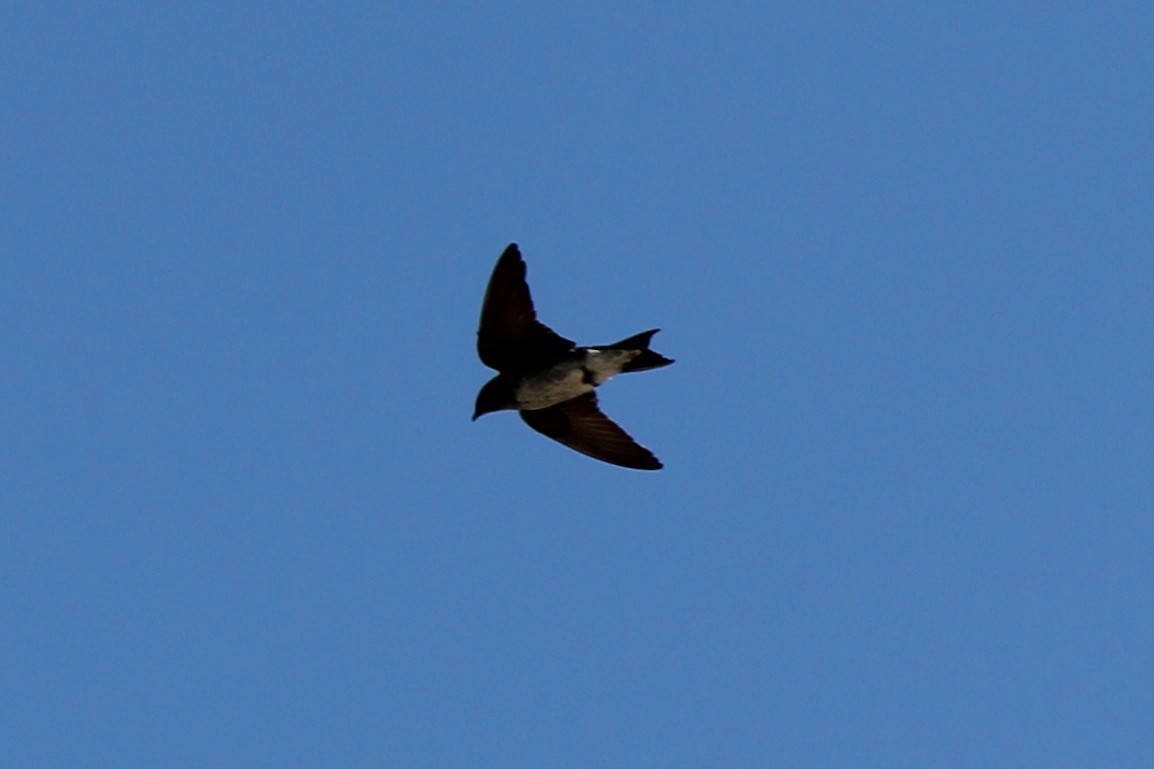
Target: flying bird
[[548, 379]]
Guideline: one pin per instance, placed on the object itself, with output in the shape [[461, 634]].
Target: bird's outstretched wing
[[580, 425], [510, 338]]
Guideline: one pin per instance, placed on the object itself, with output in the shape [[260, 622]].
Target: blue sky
[[903, 254]]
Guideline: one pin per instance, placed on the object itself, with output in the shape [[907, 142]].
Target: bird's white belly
[[566, 381]]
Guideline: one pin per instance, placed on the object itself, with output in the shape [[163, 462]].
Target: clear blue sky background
[[902, 252]]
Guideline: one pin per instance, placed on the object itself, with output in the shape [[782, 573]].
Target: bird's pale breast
[[569, 379]]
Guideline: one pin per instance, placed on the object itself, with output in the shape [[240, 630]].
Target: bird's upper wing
[[580, 425], [510, 337]]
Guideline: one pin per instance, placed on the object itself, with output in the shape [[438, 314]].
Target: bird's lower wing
[[580, 425]]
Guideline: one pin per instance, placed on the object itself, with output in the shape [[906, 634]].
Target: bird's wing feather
[[580, 425], [510, 337]]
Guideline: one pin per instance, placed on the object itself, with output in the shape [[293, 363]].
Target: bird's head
[[496, 395]]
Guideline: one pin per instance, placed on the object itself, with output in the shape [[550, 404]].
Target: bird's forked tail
[[647, 359]]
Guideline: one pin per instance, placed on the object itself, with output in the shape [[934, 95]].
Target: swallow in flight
[[548, 379]]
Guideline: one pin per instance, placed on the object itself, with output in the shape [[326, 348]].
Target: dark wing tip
[[512, 251], [653, 463]]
